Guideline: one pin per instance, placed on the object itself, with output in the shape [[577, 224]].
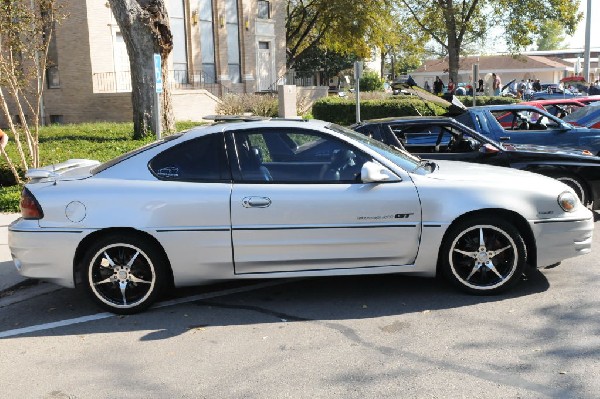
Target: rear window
[[127, 155]]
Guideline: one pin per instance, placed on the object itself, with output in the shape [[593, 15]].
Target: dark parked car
[[525, 124], [446, 138]]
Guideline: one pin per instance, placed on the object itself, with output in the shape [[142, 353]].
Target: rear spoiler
[[60, 169]]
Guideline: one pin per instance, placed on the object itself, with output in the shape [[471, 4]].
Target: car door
[[449, 142], [190, 206], [530, 127], [310, 211]]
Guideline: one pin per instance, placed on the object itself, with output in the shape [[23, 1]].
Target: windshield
[[402, 158], [582, 112], [120, 158]]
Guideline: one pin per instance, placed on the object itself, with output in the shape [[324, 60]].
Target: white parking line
[[104, 315]]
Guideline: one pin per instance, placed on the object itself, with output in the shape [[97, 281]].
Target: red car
[[588, 100]]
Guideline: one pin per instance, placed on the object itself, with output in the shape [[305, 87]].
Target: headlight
[[568, 201]]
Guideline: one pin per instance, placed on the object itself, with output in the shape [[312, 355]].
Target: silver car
[[283, 198]]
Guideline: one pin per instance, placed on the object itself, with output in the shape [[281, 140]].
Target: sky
[[578, 39]]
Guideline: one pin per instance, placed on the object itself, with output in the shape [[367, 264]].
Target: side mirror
[[372, 172]]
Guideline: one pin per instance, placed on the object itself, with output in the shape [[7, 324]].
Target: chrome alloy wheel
[[483, 257], [121, 276]]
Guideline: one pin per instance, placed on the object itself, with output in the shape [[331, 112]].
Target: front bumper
[[45, 254], [559, 239]]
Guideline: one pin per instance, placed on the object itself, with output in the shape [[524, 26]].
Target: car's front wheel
[[483, 255], [124, 274]]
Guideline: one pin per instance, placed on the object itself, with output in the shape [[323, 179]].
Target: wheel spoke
[[105, 281], [491, 267], [496, 252], [469, 254], [133, 259], [481, 240], [108, 259], [475, 269], [138, 280], [123, 286]]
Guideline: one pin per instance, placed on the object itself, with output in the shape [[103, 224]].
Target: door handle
[[256, 202], [504, 138]]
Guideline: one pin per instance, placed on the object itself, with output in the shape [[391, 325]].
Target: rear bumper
[[559, 239], [44, 256]]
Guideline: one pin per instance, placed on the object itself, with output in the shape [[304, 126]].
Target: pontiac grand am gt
[[278, 198]]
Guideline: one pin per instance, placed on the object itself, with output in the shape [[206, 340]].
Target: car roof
[[232, 122], [553, 101], [408, 118], [506, 107]]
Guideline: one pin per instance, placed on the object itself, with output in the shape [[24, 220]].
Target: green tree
[[341, 26], [551, 36], [370, 81], [330, 63], [455, 25]]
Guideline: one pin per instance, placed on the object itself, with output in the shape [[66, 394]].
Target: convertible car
[[247, 199]]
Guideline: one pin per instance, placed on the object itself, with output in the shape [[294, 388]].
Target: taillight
[[30, 208]]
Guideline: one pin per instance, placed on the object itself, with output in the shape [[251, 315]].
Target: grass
[[100, 141]]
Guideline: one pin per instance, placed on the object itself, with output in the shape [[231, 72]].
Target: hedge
[[343, 111], [487, 100]]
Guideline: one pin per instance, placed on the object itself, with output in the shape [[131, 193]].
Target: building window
[[264, 9], [52, 77], [57, 119], [233, 40], [179, 54], [207, 41]]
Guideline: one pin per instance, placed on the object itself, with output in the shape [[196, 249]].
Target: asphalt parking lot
[[351, 337]]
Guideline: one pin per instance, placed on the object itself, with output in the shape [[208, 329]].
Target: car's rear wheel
[[483, 256], [125, 274]]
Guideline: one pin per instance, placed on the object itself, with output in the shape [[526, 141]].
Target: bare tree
[[144, 25], [26, 30]]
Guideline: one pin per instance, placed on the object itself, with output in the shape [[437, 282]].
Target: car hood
[[72, 169], [497, 176], [539, 149]]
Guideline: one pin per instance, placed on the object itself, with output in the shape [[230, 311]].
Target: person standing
[[426, 87], [496, 84], [451, 86], [537, 86], [3, 139], [438, 86]]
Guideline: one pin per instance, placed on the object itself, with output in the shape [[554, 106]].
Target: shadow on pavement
[[314, 299]]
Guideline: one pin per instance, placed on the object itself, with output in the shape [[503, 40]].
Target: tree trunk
[[453, 59], [144, 25]]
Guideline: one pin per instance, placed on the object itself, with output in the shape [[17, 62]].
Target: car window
[[127, 155], [525, 120], [202, 159], [296, 156]]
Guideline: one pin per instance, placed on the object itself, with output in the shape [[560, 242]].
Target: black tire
[[577, 184], [124, 274], [483, 256]]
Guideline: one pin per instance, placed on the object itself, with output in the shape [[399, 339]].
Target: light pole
[[588, 28]]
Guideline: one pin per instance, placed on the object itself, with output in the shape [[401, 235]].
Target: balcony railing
[[120, 82]]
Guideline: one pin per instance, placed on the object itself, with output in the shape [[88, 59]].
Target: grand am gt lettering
[[265, 198], [395, 216]]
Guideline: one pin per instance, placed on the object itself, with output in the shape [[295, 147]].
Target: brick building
[[220, 46]]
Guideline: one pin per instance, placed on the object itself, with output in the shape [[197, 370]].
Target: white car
[[285, 198]]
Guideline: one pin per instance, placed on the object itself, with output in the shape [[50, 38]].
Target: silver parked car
[[282, 198]]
